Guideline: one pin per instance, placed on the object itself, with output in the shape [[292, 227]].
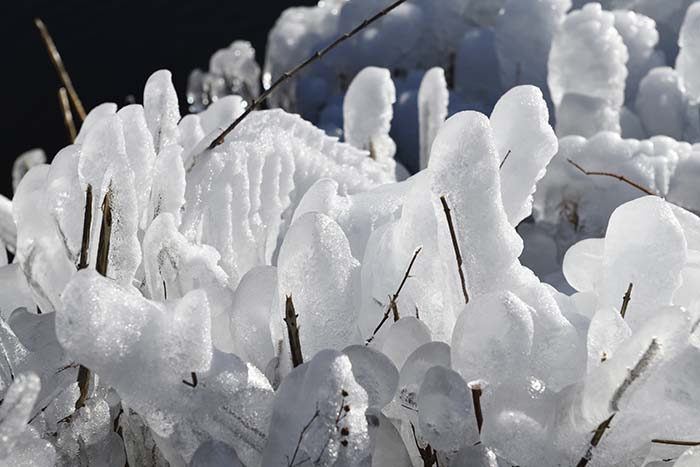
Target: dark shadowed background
[[109, 47]]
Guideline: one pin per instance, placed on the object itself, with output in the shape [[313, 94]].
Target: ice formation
[[293, 296]]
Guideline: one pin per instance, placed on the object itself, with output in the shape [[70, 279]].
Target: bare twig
[[597, 436], [674, 442], [193, 384], [293, 330], [626, 301], [635, 373], [504, 160], [392, 307], [83, 385], [289, 74], [476, 400], [455, 245], [610, 174], [60, 68], [83, 371], [87, 225], [105, 234], [67, 114], [302, 433]]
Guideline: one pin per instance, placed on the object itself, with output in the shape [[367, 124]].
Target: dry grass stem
[[67, 114], [60, 68]]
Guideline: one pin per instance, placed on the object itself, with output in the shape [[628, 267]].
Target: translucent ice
[[319, 416], [24, 162], [433, 98], [524, 32], [375, 373], [688, 61], [526, 143], [367, 112], [588, 57], [316, 251], [445, 410], [493, 338], [640, 37], [21, 445], [161, 107], [464, 167]]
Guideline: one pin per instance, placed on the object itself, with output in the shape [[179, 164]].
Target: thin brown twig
[[504, 160], [290, 319], [83, 371], [610, 174], [301, 436], [455, 246], [67, 114], [476, 400], [60, 68], [87, 226], [392, 307], [194, 382], [289, 74], [626, 300], [597, 436], [83, 386], [105, 234], [674, 442]]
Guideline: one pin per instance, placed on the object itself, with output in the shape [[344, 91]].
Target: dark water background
[[109, 47]]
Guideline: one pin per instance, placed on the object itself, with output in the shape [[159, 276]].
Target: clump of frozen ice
[[588, 58], [689, 55], [232, 70], [21, 444], [522, 47], [427, 334], [367, 113]]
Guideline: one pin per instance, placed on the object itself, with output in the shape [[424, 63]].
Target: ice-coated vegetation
[[467, 236]]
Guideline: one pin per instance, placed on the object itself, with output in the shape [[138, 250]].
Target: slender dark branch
[[84, 372], [392, 307], [83, 385], [193, 384], [504, 160], [302, 433], [635, 373], [674, 442], [610, 174], [293, 330], [597, 436], [455, 245], [289, 74], [626, 300], [427, 454], [87, 225], [476, 400], [105, 234], [67, 114], [60, 68]]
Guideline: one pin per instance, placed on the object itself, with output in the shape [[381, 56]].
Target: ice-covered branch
[[289, 74]]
